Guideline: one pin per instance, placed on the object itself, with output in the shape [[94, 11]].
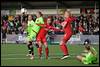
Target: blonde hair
[[69, 12]]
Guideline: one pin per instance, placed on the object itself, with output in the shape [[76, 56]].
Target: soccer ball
[[23, 10]]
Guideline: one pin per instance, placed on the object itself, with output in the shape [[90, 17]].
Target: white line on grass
[[28, 58], [52, 56], [13, 58], [35, 55], [11, 54]]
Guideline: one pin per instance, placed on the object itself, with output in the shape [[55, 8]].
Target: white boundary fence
[[75, 39]]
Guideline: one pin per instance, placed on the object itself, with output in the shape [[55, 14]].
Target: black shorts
[[4, 35]]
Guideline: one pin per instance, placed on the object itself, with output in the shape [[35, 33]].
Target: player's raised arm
[[42, 25], [53, 28]]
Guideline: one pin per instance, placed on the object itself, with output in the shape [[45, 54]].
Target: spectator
[[96, 29], [16, 25], [80, 28], [88, 22], [4, 31], [24, 16], [11, 26]]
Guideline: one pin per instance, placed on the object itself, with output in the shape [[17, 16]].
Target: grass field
[[15, 55]]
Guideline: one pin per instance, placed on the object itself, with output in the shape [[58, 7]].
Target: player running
[[90, 54], [41, 37]]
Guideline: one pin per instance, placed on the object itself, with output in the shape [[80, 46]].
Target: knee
[[62, 42], [29, 43], [77, 57], [45, 44], [39, 43]]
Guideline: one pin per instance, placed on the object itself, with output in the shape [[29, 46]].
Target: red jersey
[[43, 32], [45, 27], [68, 25]]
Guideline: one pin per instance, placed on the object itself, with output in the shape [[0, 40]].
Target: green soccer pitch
[[15, 55]]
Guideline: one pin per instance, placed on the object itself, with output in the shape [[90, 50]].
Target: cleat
[[46, 57], [66, 56], [40, 58], [32, 57], [29, 55]]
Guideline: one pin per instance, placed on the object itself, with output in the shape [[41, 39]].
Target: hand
[[63, 24], [46, 29], [62, 30]]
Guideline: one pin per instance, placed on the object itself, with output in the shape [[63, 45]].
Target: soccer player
[[41, 37], [90, 54], [67, 33], [31, 34], [33, 29]]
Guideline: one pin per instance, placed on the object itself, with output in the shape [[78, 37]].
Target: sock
[[32, 50], [40, 51], [29, 50], [64, 49], [46, 52], [37, 45]]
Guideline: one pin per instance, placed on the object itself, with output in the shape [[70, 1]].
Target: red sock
[[40, 51], [46, 52], [64, 49]]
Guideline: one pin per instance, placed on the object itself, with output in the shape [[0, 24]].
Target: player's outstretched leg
[[29, 49], [64, 49], [63, 45], [32, 52], [46, 50], [40, 49], [79, 58]]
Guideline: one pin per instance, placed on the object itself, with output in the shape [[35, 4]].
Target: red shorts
[[66, 37], [41, 39]]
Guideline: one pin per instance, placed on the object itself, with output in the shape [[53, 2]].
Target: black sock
[[37, 45], [32, 50], [29, 49]]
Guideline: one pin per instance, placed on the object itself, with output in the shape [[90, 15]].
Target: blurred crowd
[[83, 24]]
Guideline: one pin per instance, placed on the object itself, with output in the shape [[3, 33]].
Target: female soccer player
[[33, 29], [41, 37], [67, 33], [90, 55], [31, 34]]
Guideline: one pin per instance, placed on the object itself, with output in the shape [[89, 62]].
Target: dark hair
[[40, 13], [87, 41], [87, 47], [30, 15]]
